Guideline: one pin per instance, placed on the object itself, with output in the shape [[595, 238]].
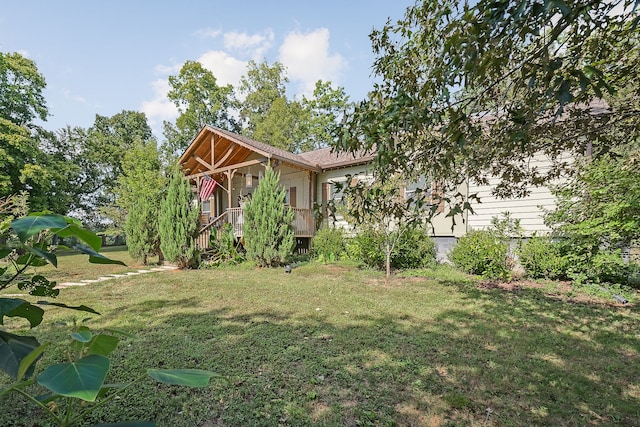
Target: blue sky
[[102, 57]]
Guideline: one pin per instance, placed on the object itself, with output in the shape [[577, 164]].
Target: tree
[[21, 103], [262, 86], [178, 222], [138, 193], [466, 92], [201, 101], [268, 235], [379, 206], [284, 125], [325, 109]]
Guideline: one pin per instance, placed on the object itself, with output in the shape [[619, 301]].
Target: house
[[237, 163]]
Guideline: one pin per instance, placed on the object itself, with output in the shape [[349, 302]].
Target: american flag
[[208, 185]]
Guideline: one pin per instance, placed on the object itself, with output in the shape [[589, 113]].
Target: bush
[[226, 250], [542, 258], [414, 249], [482, 252], [268, 234], [329, 244], [367, 247]]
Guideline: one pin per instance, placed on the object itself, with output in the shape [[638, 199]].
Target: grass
[[334, 345]]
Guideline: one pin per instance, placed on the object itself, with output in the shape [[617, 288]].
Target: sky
[[102, 57]]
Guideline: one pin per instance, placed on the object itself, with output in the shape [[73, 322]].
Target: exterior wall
[[289, 178], [529, 210], [441, 224]]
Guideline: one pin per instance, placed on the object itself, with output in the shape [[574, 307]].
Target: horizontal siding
[[529, 210]]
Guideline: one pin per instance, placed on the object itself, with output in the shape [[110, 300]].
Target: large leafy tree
[[21, 103], [467, 91], [201, 101], [285, 125], [262, 86], [325, 110], [268, 234]]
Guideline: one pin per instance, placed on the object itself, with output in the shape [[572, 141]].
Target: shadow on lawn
[[499, 358]]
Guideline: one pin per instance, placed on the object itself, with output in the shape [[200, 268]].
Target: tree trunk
[[388, 259]]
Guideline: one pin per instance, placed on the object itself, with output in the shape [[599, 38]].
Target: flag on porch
[[208, 185]]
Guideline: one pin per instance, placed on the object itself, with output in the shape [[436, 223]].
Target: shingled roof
[[327, 159]]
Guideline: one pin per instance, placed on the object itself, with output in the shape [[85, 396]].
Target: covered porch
[[237, 164]]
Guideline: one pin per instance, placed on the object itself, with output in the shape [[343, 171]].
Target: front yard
[[335, 345]]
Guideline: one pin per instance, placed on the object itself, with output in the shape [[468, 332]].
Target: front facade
[[237, 163]]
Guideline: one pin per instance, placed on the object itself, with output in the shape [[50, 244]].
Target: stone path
[[114, 276]]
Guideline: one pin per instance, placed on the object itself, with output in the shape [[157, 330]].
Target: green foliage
[[262, 86], [368, 248], [226, 250], [325, 110], [482, 252], [178, 223], [601, 203], [200, 101], [413, 248], [329, 244], [268, 234], [543, 258], [448, 69], [139, 193], [81, 378]]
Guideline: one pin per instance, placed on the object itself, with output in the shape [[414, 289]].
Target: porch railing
[[303, 224]]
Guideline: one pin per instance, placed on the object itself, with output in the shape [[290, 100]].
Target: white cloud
[[159, 108], [68, 95], [208, 33], [308, 59], [225, 67], [253, 45]]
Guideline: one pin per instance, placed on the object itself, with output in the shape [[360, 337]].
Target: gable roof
[[234, 149]]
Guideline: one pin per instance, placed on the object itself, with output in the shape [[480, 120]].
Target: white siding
[[529, 210]]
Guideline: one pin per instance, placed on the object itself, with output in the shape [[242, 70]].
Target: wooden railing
[[303, 224]]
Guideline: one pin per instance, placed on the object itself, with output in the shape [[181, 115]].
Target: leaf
[[4, 252], [50, 257], [82, 379], [70, 307], [89, 237], [103, 344], [82, 336], [96, 258], [33, 224], [27, 362], [186, 377], [13, 307], [14, 348]]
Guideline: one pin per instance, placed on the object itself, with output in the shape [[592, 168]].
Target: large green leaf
[[27, 362], [15, 307], [103, 344], [50, 257], [82, 379], [95, 257], [186, 377], [33, 224], [90, 238], [83, 336], [13, 349]]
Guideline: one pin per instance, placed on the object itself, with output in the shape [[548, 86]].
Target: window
[[206, 207]]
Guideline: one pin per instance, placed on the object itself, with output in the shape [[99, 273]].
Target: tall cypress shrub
[[268, 232], [179, 223]]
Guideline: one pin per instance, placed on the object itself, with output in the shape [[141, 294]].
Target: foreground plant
[[27, 243]]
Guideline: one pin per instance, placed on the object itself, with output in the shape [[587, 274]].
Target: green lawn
[[335, 345]]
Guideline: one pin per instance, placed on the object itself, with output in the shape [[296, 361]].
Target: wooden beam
[[213, 152], [202, 162], [225, 157], [224, 169]]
